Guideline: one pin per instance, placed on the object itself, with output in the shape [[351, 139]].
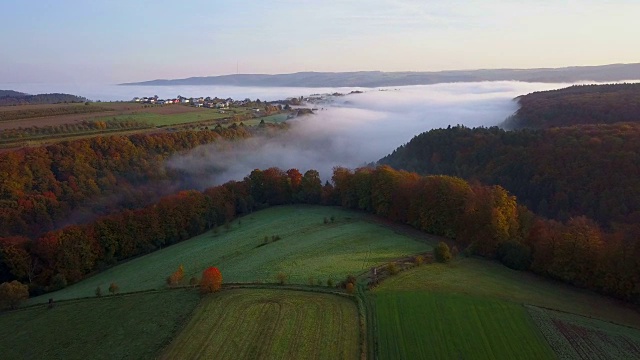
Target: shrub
[[350, 288], [312, 281], [418, 260], [211, 280], [98, 291], [326, 220], [392, 268], [330, 282], [454, 252], [113, 288], [333, 219], [281, 278], [13, 294], [319, 282], [193, 281], [442, 252], [351, 279], [175, 278]]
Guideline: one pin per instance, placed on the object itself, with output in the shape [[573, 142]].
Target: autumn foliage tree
[[442, 252], [211, 280], [175, 278], [12, 294]]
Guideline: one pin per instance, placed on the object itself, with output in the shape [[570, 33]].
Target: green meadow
[[308, 249]]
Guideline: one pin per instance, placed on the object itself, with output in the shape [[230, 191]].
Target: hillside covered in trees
[[10, 97], [44, 188], [576, 105], [591, 170]]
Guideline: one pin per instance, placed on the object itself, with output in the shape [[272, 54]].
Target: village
[[208, 102]]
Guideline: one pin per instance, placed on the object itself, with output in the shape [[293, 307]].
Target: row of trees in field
[[39, 112], [46, 131], [590, 170], [578, 104], [11, 98], [483, 220], [42, 187]]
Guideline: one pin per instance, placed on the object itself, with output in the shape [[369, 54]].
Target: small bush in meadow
[[442, 252], [114, 288], [350, 288], [392, 268], [281, 278]]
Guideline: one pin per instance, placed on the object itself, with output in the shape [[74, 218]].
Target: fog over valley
[[356, 129]]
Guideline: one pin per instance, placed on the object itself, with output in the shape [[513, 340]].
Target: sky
[[100, 41]]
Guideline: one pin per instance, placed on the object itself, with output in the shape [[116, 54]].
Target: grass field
[[278, 118], [37, 123], [479, 277], [135, 326], [171, 119], [308, 248], [426, 325], [269, 324]]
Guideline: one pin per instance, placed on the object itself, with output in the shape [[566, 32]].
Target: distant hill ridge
[[602, 73], [10, 97]]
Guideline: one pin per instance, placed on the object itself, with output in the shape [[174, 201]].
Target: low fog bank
[[357, 129], [107, 92]]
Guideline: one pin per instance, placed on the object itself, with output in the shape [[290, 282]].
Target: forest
[[11, 98], [591, 170], [44, 188], [576, 105]]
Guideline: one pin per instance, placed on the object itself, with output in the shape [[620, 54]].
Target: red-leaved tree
[[211, 280]]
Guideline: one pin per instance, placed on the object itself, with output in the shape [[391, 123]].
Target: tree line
[[49, 131], [8, 98], [60, 257], [480, 219], [487, 220]]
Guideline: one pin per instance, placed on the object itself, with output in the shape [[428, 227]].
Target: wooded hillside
[[591, 170], [578, 104], [10, 97]]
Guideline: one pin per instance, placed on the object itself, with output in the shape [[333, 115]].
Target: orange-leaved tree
[[211, 280], [175, 278]]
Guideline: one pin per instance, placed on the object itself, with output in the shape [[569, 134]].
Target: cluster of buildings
[[213, 103]]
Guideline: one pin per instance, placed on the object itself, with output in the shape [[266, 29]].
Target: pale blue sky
[[122, 40]]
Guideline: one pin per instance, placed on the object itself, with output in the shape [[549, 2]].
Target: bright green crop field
[[477, 277], [425, 325], [489, 306], [269, 324], [133, 326], [170, 119], [308, 248]]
